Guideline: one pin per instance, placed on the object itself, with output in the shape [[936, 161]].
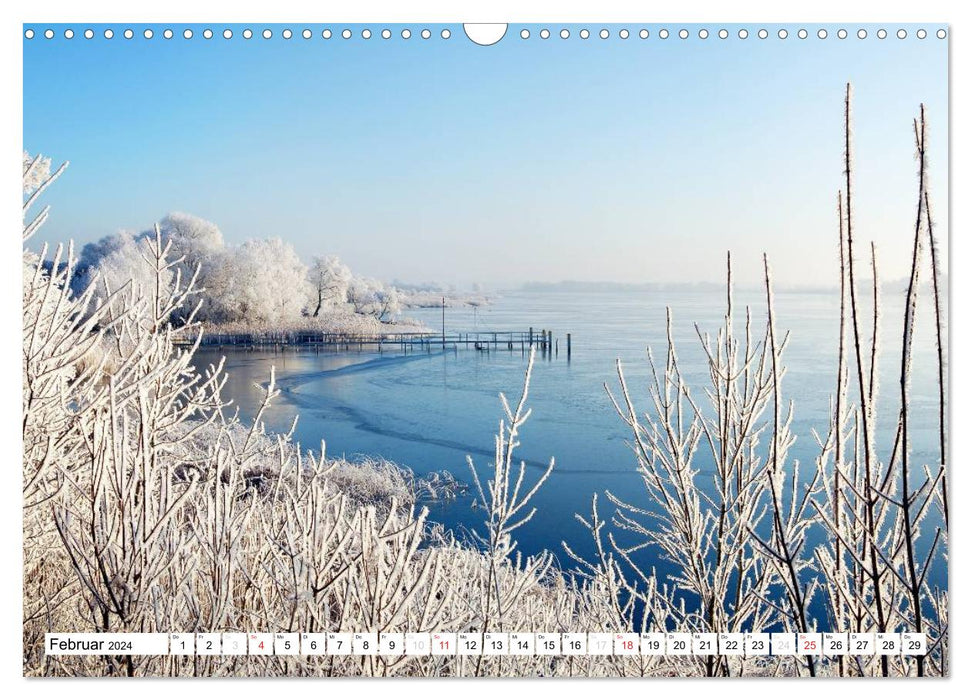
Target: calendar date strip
[[487, 644]]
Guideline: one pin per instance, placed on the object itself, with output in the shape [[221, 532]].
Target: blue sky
[[634, 160]]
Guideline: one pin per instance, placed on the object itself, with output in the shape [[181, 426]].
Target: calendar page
[[443, 350]]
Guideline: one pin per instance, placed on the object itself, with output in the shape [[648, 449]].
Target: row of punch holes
[[446, 33]]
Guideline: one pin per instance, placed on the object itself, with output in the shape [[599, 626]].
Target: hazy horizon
[[533, 160]]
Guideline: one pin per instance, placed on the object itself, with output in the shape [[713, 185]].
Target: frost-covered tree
[[115, 261], [262, 281], [372, 297], [194, 239], [199, 243], [330, 279]]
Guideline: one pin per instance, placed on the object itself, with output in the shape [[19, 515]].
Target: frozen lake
[[428, 411]]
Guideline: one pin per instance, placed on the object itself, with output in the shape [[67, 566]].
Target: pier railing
[[483, 341]]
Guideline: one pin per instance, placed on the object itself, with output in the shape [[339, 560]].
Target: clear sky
[[632, 160]]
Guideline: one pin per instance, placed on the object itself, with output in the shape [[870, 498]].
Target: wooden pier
[[546, 344]]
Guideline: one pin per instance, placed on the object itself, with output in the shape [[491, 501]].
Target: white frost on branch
[[36, 170]]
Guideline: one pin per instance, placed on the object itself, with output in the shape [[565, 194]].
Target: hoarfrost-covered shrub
[[371, 297]]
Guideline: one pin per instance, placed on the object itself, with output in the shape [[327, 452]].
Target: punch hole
[[489, 34]]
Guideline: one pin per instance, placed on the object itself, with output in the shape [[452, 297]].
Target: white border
[[708, 11]]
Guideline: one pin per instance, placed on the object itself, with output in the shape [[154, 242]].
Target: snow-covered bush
[[371, 297], [336, 322]]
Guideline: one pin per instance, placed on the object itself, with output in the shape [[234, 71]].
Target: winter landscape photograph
[[362, 335]]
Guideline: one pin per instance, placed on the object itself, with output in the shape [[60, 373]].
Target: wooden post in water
[[443, 325], [530, 336], [568, 344]]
